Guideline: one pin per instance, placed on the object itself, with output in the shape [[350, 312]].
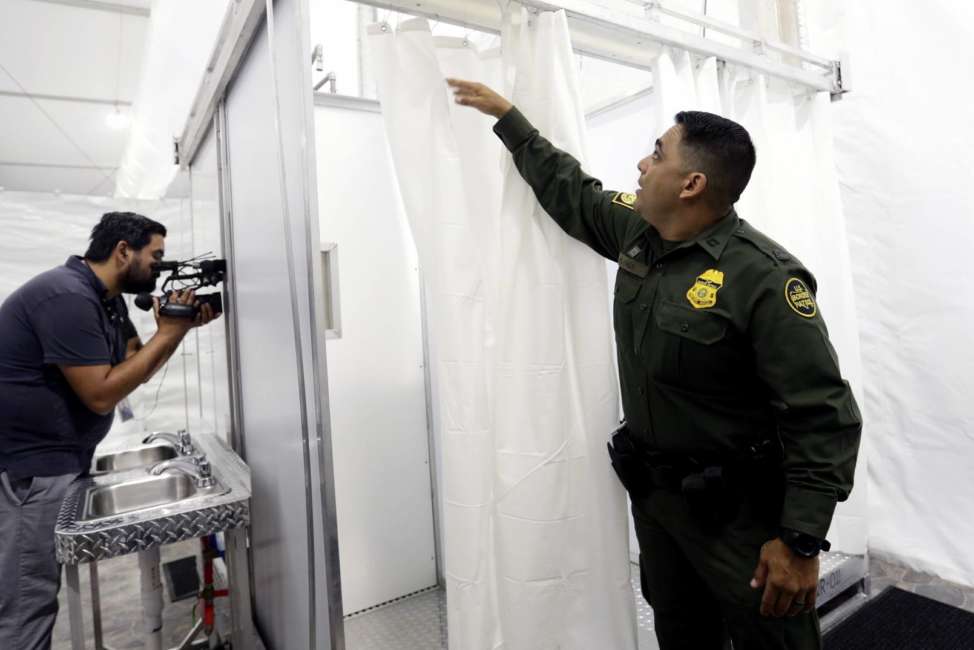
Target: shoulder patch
[[625, 199], [800, 298]]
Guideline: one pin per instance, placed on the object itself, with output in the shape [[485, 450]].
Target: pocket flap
[[699, 326], [627, 285]]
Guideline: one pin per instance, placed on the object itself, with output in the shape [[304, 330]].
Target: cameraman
[[68, 355]]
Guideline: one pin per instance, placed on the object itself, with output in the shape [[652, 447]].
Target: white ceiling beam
[[64, 98], [616, 33], [598, 40], [102, 5], [14, 163]]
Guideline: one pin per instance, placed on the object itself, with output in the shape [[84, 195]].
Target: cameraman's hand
[[485, 100], [178, 327], [175, 327], [206, 315]]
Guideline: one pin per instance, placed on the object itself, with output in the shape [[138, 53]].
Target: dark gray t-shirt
[[60, 317]]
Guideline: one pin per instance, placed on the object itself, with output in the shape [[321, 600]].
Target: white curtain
[[793, 197], [535, 524]]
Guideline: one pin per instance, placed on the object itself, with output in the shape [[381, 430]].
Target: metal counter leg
[[238, 567], [95, 604], [74, 607]]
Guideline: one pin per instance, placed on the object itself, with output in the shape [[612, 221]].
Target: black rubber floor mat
[[901, 620]]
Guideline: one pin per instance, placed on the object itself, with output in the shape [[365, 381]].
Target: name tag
[[633, 266]]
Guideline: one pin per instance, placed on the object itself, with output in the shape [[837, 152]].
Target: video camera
[[189, 274]]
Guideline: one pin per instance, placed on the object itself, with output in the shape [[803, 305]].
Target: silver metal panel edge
[[237, 438], [283, 67], [236, 33], [102, 5], [431, 435], [328, 577]]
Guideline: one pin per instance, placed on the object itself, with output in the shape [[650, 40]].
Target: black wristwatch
[[803, 544]]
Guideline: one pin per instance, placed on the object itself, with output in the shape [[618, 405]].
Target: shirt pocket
[[689, 345], [627, 288]]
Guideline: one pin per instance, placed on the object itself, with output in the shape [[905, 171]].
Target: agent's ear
[[693, 185]]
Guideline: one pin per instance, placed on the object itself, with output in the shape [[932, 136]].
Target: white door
[[375, 367]]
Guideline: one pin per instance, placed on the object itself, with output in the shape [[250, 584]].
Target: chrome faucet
[[196, 467], [180, 441]]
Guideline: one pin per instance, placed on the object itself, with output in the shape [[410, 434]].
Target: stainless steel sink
[[112, 513], [131, 458], [140, 494]]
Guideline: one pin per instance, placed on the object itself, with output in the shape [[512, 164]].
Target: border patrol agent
[[741, 434]]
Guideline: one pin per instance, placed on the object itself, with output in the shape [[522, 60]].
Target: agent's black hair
[[722, 150]]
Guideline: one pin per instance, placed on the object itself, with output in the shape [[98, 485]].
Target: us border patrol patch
[[799, 298], [703, 293], [625, 199]]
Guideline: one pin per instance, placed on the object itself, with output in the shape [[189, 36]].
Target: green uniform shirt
[[720, 340]]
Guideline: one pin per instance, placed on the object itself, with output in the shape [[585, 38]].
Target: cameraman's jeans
[[698, 582], [30, 576]]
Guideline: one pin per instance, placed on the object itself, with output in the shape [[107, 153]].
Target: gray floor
[[414, 623], [419, 623], [885, 573], [121, 604]]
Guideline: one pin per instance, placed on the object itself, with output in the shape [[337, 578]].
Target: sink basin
[[112, 500], [130, 458]]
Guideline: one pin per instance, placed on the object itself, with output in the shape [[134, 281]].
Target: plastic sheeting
[[179, 44], [904, 149], [535, 524]]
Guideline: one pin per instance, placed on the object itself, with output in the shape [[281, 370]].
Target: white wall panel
[[375, 370]]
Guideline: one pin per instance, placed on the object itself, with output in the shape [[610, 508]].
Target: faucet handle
[[205, 469], [204, 478]]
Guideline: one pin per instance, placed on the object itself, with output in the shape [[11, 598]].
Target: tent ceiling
[[67, 51]]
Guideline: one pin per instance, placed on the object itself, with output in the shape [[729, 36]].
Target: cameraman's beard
[[135, 282]]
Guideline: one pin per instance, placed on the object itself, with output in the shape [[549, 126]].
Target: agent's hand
[[485, 100], [790, 582]]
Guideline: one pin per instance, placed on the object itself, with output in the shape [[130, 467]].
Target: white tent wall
[[179, 42], [904, 152]]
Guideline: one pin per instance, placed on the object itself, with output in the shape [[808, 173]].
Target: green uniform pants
[[698, 583]]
